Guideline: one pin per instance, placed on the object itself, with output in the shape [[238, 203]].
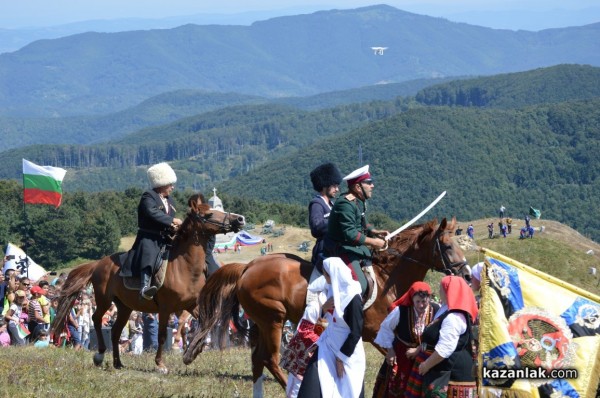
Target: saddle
[[134, 282], [368, 296]]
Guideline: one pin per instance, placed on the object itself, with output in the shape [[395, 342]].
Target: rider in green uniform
[[349, 234]]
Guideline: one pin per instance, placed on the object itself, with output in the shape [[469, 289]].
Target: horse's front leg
[[163, 319], [123, 314], [97, 319]]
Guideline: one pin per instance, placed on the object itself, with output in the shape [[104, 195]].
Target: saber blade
[[415, 218]]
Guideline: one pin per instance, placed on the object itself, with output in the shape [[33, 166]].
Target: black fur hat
[[325, 176]]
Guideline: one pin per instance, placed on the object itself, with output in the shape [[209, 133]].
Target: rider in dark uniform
[[325, 179], [348, 232], [156, 220]]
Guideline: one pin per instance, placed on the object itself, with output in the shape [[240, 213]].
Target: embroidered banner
[[539, 336]]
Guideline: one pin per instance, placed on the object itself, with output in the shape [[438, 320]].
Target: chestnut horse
[[272, 289], [183, 280]]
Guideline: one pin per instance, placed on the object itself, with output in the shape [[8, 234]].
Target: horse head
[[447, 254], [209, 221], [429, 246]]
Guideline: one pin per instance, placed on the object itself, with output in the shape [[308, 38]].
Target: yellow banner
[[539, 336]]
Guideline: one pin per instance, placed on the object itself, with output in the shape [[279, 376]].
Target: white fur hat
[[161, 175]]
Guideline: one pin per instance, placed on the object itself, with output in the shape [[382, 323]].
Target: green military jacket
[[347, 228]]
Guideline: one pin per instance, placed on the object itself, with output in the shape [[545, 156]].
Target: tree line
[[91, 225]]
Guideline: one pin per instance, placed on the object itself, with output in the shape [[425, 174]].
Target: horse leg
[[256, 346], [123, 314], [272, 345], [163, 319], [101, 308], [181, 334]]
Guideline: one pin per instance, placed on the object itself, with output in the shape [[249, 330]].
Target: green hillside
[[175, 105], [542, 156], [546, 85], [217, 145]]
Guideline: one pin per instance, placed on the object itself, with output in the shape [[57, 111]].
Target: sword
[[415, 218]]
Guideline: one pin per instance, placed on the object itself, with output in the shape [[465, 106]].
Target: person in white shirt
[[337, 368], [400, 334]]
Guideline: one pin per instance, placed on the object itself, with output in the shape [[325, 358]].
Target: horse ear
[[193, 203], [443, 225]]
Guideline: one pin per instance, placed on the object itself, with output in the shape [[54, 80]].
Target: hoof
[[162, 370], [98, 359]]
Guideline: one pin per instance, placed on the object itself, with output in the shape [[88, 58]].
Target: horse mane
[[403, 243], [409, 239], [196, 206]]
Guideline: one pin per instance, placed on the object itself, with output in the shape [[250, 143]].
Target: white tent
[[35, 271]]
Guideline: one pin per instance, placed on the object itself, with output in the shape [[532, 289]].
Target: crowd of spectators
[[29, 307]]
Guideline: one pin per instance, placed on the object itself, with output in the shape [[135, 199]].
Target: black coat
[[318, 217], [154, 223]]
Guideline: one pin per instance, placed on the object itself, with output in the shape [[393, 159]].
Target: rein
[[224, 226], [437, 247]]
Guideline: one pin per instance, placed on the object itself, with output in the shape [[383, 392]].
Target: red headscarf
[[459, 295], [407, 298]]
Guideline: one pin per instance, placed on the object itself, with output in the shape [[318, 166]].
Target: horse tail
[[77, 279], [216, 302]]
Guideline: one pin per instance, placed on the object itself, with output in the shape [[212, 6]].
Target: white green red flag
[[42, 184]]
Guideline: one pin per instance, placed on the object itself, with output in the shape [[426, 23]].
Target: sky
[[509, 14]]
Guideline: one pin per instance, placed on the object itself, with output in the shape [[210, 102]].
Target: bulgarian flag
[[22, 331], [42, 184]]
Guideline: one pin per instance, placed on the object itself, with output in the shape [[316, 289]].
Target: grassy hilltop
[[559, 250]]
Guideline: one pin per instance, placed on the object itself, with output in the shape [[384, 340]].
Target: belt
[[406, 343]]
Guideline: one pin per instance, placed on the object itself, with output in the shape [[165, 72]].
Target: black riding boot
[[147, 292]]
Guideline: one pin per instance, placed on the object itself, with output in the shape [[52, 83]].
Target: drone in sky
[[378, 50]]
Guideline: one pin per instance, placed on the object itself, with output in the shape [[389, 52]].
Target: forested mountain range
[[175, 105], [99, 73], [542, 155], [544, 85]]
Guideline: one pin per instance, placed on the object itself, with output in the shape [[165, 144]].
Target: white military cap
[[358, 175]]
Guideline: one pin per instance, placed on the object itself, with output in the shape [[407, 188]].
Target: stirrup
[[148, 292]]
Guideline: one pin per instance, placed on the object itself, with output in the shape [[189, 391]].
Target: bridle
[[449, 266], [224, 226]]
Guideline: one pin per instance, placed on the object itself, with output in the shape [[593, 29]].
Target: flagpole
[[25, 230]]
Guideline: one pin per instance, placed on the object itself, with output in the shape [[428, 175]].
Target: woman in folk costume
[[444, 365], [337, 369], [400, 334], [302, 346]]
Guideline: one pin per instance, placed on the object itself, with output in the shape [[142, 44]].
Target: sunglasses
[[368, 182]]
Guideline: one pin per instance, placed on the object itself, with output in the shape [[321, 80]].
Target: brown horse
[[272, 289], [182, 282]]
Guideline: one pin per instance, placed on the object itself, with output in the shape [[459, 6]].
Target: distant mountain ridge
[[96, 73], [170, 106], [542, 155]]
